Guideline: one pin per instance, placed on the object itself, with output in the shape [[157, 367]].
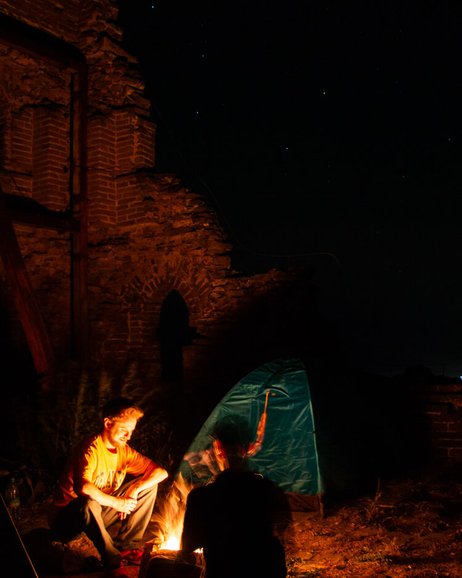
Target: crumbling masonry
[[106, 261]]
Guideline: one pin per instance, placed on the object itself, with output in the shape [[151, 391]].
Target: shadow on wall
[[285, 322]]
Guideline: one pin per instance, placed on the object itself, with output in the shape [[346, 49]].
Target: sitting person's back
[[233, 520]]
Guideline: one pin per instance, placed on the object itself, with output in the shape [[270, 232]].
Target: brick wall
[[134, 141], [50, 154], [21, 141], [101, 161], [149, 236], [61, 18], [442, 406]]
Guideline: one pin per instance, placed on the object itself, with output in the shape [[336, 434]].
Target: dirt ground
[[409, 528], [406, 528]]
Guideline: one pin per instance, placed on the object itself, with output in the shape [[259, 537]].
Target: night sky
[[324, 134]]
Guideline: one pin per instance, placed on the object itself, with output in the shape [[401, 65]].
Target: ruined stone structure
[[107, 262]]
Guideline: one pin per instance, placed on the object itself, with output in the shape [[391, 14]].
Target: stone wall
[[156, 251]]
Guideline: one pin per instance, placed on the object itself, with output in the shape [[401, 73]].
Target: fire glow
[[170, 516]]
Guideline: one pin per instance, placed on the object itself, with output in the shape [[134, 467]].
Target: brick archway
[[172, 290], [154, 279]]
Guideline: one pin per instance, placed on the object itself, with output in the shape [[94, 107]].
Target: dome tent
[[275, 401]]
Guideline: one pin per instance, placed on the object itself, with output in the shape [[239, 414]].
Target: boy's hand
[[126, 507]]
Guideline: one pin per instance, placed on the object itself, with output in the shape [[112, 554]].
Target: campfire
[[170, 515], [162, 556]]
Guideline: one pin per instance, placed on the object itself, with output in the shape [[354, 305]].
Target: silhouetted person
[[235, 519]]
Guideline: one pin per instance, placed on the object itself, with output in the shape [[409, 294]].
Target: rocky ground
[[406, 528]]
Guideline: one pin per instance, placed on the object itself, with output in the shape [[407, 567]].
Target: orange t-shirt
[[93, 462]]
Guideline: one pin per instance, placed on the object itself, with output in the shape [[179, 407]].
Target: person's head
[[231, 439], [120, 417]]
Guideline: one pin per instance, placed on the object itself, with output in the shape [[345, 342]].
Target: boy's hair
[[120, 408]]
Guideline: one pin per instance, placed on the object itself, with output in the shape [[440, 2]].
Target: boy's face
[[117, 432]]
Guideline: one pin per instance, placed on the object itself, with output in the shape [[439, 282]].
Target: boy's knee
[[89, 507], [148, 493]]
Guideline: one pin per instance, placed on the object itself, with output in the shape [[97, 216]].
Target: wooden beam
[[28, 212], [24, 299]]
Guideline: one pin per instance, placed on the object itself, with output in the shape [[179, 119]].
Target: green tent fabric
[[288, 455]]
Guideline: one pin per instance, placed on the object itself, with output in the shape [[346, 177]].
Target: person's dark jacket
[[233, 520]]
